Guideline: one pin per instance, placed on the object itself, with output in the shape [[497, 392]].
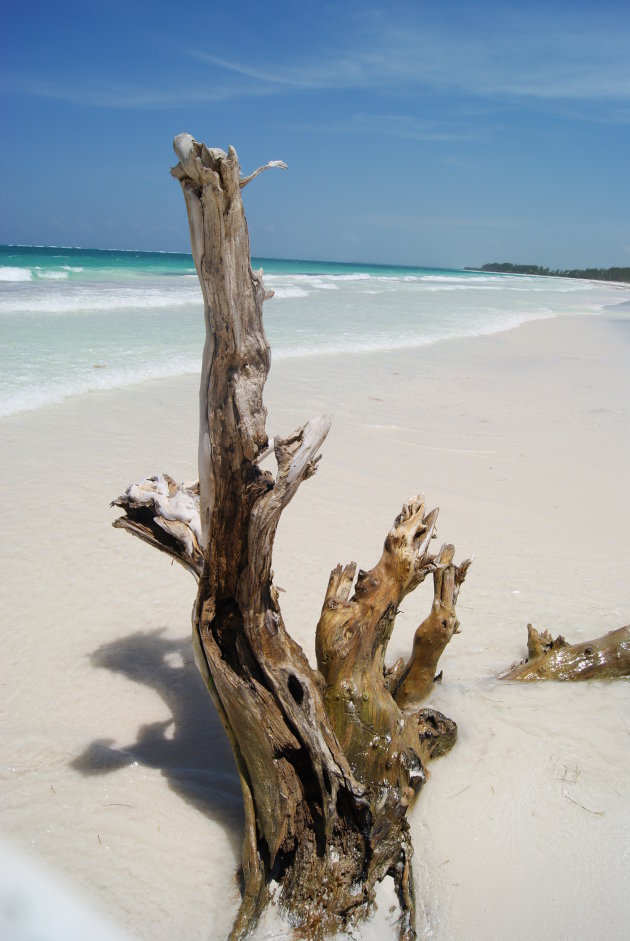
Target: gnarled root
[[605, 657], [434, 633], [372, 709]]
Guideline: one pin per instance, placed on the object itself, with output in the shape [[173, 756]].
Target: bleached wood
[[165, 515]]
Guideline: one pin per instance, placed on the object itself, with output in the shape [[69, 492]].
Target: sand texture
[[115, 770]]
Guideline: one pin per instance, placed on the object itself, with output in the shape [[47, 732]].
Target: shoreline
[[607, 311], [115, 770]]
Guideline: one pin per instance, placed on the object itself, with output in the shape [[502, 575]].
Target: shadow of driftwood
[[191, 748]]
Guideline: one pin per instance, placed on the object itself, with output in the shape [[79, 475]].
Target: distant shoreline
[[297, 265], [588, 274]]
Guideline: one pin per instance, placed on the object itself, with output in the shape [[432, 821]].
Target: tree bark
[[605, 657], [331, 759]]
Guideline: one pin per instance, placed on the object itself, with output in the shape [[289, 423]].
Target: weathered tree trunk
[[605, 657], [329, 759]]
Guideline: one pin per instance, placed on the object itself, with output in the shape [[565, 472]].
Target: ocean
[[78, 320]]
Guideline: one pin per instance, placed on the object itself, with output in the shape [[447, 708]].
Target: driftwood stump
[[329, 759]]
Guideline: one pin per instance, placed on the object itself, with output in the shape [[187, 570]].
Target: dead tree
[[329, 759], [605, 657]]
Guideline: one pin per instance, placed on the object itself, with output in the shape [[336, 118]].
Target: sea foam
[[97, 298], [93, 379], [139, 317], [52, 275], [15, 274]]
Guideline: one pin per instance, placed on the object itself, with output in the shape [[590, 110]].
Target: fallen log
[[329, 759], [605, 657]]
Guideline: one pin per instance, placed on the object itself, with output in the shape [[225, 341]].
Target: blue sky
[[420, 133]]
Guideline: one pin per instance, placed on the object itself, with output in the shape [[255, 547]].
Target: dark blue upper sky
[[420, 133]]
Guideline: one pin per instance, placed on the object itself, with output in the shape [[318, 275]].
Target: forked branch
[[370, 706]]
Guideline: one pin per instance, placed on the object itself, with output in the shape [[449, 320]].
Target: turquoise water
[[76, 320], [48, 263], [45, 263]]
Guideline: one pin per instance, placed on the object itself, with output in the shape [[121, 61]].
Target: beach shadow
[[191, 748]]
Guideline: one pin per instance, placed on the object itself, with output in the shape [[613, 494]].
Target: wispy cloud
[[401, 126], [125, 95], [461, 162], [516, 59], [505, 57], [290, 77], [399, 222]]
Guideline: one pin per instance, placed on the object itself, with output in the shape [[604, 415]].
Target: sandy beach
[[115, 771]]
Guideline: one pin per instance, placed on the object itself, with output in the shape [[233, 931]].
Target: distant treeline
[[593, 274]]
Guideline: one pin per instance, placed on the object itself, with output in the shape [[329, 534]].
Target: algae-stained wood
[[606, 657], [329, 759]]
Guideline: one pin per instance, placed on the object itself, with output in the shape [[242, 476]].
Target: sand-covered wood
[[605, 657], [329, 759]]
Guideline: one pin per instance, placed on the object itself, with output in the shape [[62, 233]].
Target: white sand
[[115, 770]]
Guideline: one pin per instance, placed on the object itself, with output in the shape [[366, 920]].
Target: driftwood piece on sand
[[548, 659], [329, 759]]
